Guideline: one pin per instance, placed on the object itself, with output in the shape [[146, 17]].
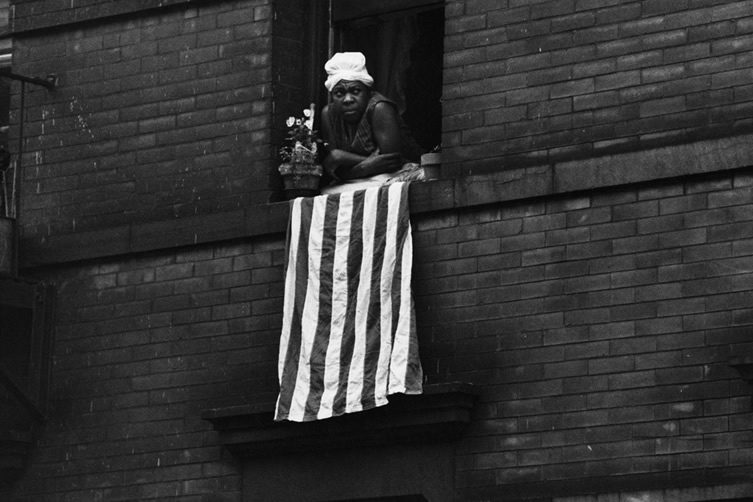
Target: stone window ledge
[[439, 414], [510, 184]]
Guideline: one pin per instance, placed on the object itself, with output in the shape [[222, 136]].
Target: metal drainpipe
[[16, 187]]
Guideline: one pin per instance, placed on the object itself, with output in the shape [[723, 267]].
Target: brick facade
[[531, 82], [600, 327], [585, 261], [156, 117]]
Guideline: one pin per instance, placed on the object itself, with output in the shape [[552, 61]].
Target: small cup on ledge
[[431, 162]]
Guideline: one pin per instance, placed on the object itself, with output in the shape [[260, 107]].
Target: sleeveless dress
[[362, 143]]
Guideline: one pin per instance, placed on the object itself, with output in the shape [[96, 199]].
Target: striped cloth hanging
[[348, 334]]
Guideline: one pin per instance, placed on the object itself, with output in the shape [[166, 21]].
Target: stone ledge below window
[[439, 414], [509, 184]]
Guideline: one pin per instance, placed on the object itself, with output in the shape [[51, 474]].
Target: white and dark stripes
[[348, 335]]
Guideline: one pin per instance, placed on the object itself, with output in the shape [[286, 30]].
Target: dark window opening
[[404, 53], [25, 335], [15, 334], [25, 329]]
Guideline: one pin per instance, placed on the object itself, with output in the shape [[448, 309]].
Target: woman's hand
[[376, 164], [345, 165], [339, 162], [342, 158]]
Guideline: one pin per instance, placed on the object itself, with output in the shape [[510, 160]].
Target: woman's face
[[349, 99]]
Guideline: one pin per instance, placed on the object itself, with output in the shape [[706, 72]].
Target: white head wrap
[[347, 66]]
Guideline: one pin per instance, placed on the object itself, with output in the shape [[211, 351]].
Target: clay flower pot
[[300, 179], [300, 171]]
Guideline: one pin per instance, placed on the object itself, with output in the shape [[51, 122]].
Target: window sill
[[507, 185], [439, 414]]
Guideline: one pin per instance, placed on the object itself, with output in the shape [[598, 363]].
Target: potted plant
[[300, 169], [8, 193]]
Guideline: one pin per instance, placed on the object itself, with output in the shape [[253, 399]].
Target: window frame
[[344, 10], [348, 16], [30, 390]]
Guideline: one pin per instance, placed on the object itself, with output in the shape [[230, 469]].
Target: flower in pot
[[300, 169]]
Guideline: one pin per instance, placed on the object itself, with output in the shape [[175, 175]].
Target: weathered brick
[[572, 88], [595, 34], [573, 21], [658, 272], [617, 80]]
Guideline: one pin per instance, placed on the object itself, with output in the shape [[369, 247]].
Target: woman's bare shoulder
[[384, 111]]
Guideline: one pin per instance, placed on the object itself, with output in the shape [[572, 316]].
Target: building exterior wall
[[536, 81], [157, 116], [598, 328], [593, 301], [143, 345]]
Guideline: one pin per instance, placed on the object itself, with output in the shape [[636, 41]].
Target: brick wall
[[158, 116], [597, 328], [142, 347], [600, 328], [597, 323], [172, 112], [41, 14], [532, 82]]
